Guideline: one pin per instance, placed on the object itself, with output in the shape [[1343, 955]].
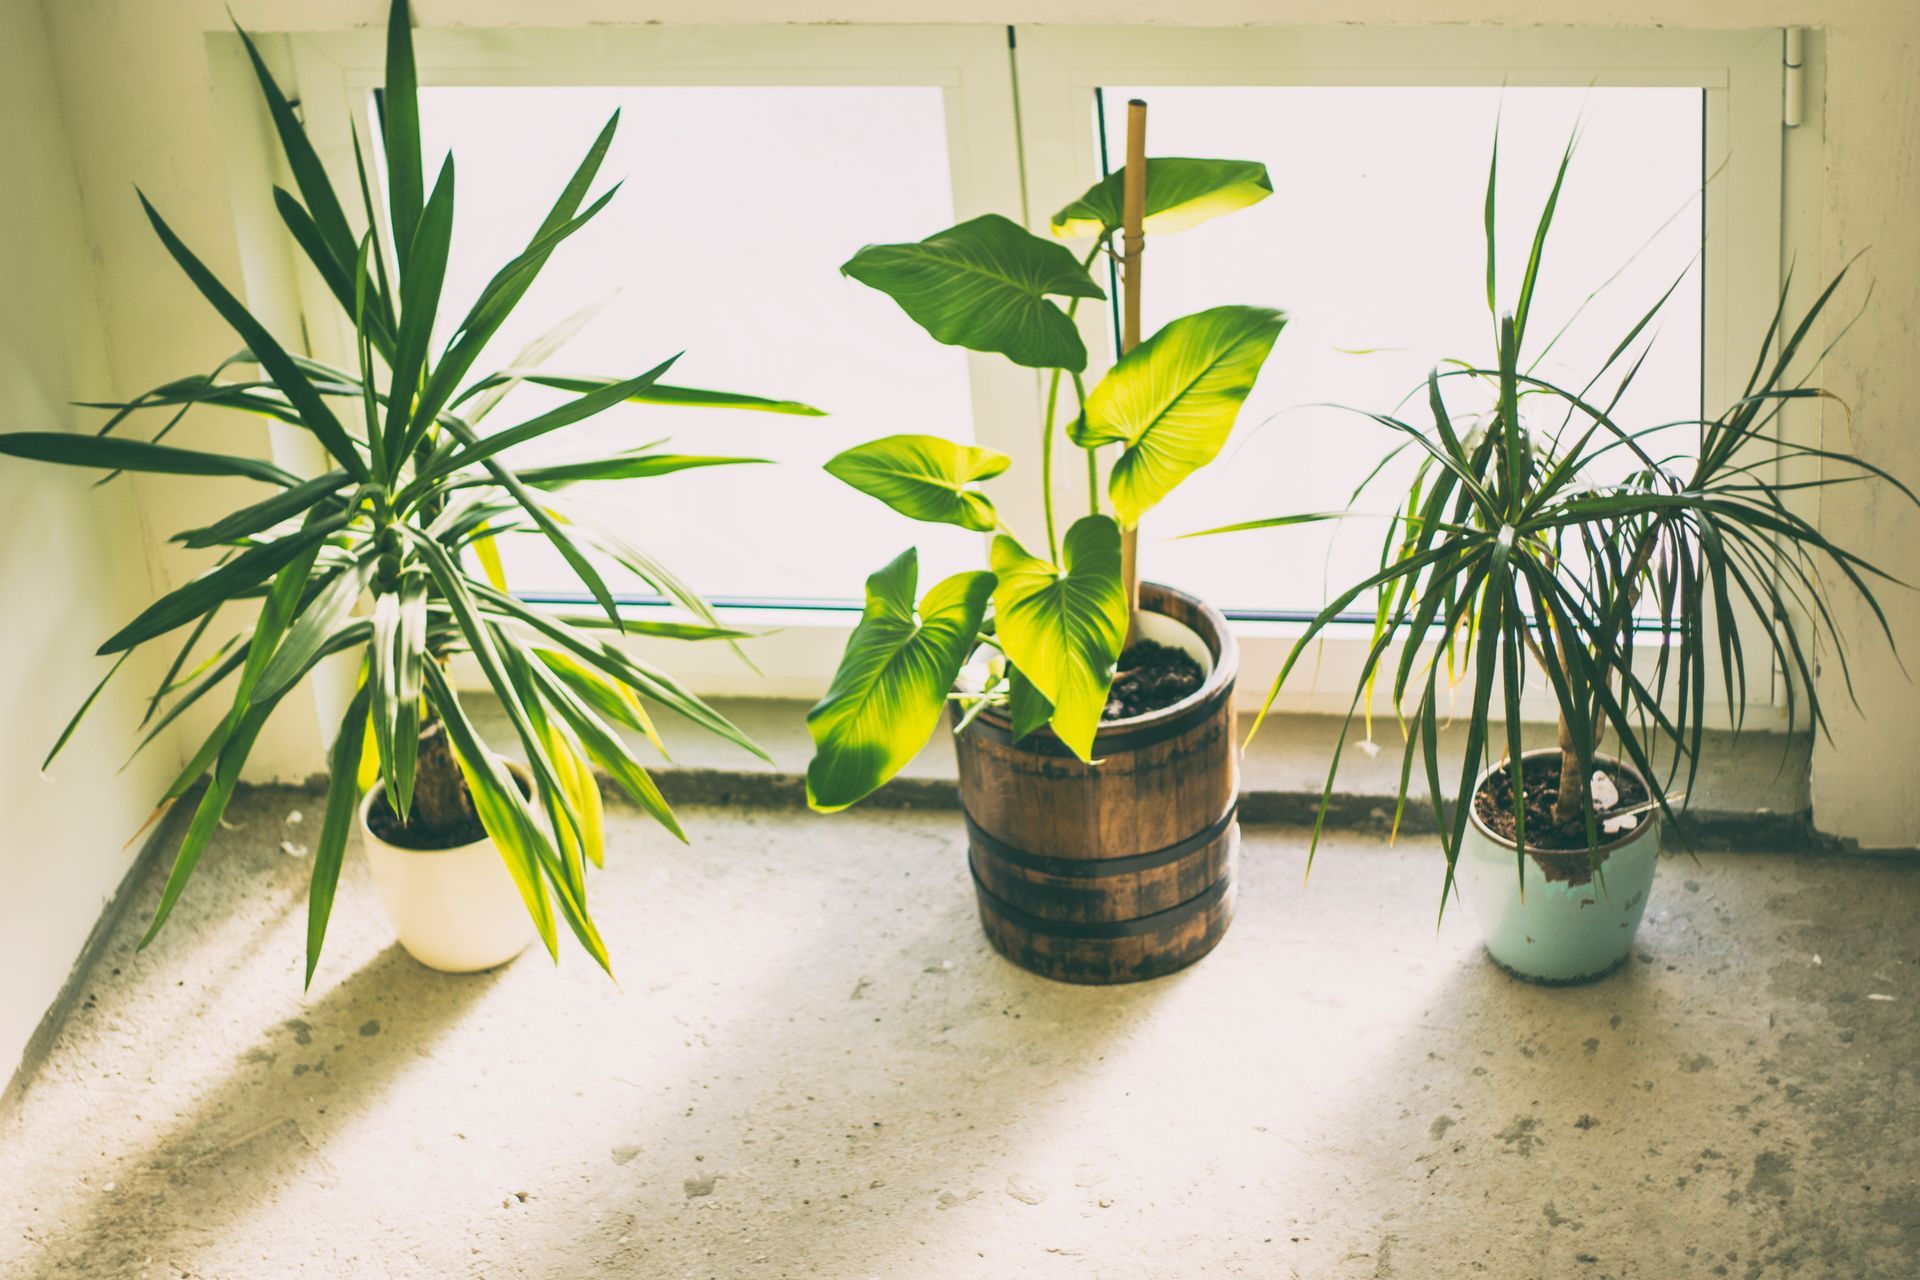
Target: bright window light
[[738, 206], [1372, 242]]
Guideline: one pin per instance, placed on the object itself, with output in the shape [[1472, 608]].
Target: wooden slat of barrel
[[1153, 947], [1118, 870], [1094, 890]]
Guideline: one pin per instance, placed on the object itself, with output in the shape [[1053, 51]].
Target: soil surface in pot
[[427, 838], [386, 824], [1540, 777], [1151, 676]]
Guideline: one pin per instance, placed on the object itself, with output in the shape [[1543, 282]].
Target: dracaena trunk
[[1570, 803], [441, 801]]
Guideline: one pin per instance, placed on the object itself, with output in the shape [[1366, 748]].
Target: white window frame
[[1021, 143]]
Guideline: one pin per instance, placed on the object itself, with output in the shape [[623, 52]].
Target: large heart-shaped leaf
[[925, 477], [1180, 194], [1063, 626], [984, 285], [886, 698], [1172, 401]]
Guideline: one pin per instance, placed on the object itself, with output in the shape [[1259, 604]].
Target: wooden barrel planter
[[1122, 869]]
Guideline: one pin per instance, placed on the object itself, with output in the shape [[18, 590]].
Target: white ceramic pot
[[1566, 927], [456, 910]]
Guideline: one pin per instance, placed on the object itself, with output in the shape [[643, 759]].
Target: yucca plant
[[1511, 559], [413, 487]]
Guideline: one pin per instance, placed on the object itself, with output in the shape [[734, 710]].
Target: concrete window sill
[[1751, 794]]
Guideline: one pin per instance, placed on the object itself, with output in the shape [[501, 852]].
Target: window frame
[[1021, 143]]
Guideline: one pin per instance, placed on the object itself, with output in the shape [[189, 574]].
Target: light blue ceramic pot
[[1558, 931]]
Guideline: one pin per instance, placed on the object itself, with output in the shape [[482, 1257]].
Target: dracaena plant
[[1545, 539], [369, 557], [1054, 613]]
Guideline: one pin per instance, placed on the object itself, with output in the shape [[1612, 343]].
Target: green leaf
[[925, 477], [247, 570], [232, 742], [1532, 275], [1029, 706], [285, 371], [512, 281], [623, 466], [1063, 627], [606, 749], [886, 699], [395, 662], [572, 411], [984, 285], [345, 281], [115, 453], [538, 512], [502, 809], [1172, 400], [623, 667], [609, 698], [420, 283], [1270, 522], [342, 797], [400, 124], [686, 397], [324, 616], [260, 516], [1180, 193], [582, 791], [481, 397], [81, 714], [329, 220]]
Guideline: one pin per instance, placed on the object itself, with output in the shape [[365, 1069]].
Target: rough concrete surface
[[1753, 798], [812, 1065]]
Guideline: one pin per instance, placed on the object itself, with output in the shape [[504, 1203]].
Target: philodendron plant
[[367, 558], [1543, 540], [1060, 608]]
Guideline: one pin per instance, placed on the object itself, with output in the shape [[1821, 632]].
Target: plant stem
[[1569, 803], [1046, 425], [1133, 244], [1046, 461], [1092, 452]]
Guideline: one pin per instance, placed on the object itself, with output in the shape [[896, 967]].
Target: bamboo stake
[[1133, 243]]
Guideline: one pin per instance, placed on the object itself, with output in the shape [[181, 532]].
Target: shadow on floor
[[259, 1127]]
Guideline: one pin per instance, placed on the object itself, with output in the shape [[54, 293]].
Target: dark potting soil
[[1151, 676], [1540, 780], [418, 835], [386, 824]]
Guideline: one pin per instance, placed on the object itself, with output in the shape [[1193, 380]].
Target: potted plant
[[1100, 811], [1515, 557], [465, 849]]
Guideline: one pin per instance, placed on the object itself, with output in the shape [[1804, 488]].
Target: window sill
[[1752, 795]]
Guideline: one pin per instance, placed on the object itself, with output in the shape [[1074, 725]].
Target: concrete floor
[[813, 1066]]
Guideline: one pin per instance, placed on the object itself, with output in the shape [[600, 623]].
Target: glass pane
[[738, 205], [1374, 244]]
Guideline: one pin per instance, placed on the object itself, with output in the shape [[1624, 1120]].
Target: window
[[1315, 103], [1371, 243], [757, 159], [738, 205]]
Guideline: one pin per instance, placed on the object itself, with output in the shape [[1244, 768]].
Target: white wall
[[73, 569], [135, 74]]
